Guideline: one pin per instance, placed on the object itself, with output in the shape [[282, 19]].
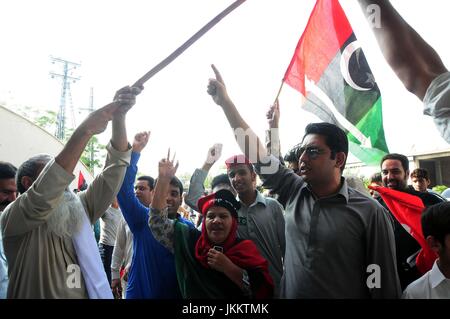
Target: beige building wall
[[20, 139]]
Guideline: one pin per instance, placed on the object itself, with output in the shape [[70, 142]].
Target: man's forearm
[[71, 153], [244, 135], [413, 60], [119, 133], [159, 199]]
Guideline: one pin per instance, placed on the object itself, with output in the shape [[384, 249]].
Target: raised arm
[[246, 138], [94, 124], [106, 185], [414, 61], [160, 225], [272, 134], [135, 214], [35, 206]]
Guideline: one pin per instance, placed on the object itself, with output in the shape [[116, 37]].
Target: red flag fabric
[[408, 209], [81, 181], [327, 30]]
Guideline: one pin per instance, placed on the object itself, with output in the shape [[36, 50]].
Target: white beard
[[67, 218]]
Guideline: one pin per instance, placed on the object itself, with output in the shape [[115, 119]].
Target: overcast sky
[[117, 41]]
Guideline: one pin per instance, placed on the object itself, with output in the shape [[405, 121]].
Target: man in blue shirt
[[152, 273]]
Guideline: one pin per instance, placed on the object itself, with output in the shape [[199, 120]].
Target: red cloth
[[408, 209], [81, 181], [327, 30]]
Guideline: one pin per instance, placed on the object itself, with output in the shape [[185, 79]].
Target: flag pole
[[279, 91]]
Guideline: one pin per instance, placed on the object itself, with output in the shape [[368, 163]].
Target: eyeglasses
[[312, 152]]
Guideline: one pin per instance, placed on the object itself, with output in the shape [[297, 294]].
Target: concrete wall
[[20, 139]]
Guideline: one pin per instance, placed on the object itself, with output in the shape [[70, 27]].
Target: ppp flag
[[331, 71]]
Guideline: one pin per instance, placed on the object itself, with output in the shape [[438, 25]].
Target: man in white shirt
[[108, 230], [435, 284]]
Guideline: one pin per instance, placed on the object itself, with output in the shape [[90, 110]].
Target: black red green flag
[[330, 70]]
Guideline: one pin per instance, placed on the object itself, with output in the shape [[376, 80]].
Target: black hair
[[376, 178], [150, 181], [7, 170], [292, 155], [420, 173], [220, 179], [30, 168], [177, 183], [436, 221], [335, 138], [399, 157]]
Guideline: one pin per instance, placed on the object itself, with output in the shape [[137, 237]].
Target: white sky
[[117, 41]]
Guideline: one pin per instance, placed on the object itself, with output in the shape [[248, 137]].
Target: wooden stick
[[279, 91], [161, 65]]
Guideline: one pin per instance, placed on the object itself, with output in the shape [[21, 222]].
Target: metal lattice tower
[[67, 78], [90, 108]]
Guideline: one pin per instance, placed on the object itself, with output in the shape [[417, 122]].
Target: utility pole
[[67, 78], [90, 108]]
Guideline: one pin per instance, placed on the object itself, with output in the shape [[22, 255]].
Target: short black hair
[[220, 179], [420, 173], [150, 181], [30, 168], [376, 178], [399, 157], [436, 221], [292, 155], [335, 138], [7, 170], [177, 183]]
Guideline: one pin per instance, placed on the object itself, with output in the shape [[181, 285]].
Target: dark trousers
[[106, 256]]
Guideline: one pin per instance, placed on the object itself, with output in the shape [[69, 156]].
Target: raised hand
[[214, 153], [140, 141], [126, 98], [273, 115], [97, 121], [217, 89], [166, 167]]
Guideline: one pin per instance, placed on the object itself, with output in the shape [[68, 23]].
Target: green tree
[[93, 156], [439, 188]]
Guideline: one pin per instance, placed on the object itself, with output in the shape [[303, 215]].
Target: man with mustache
[[47, 234], [8, 192], [394, 174], [337, 239]]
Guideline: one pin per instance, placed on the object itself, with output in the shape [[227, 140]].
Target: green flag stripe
[[371, 125]]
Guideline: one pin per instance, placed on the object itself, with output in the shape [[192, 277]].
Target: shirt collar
[[259, 199], [343, 191], [436, 276]]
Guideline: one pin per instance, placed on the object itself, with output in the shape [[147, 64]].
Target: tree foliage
[[93, 156]]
